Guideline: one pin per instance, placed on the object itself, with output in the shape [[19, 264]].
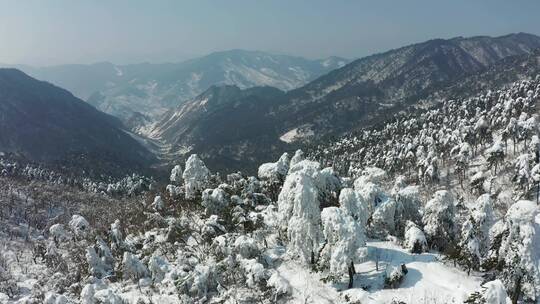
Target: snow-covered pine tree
[[299, 210], [518, 251], [196, 177], [438, 220], [345, 243]]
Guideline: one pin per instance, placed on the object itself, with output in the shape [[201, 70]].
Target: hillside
[[44, 123], [364, 92], [435, 206]]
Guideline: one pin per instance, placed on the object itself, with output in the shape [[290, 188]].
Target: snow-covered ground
[[429, 280]]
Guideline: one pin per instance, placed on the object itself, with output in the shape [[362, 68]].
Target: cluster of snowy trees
[[437, 146], [475, 168], [458, 179], [130, 185], [216, 240]]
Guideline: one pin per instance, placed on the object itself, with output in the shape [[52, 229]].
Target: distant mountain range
[[233, 122], [137, 93], [240, 128], [44, 123]]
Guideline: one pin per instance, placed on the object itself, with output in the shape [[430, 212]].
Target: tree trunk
[[537, 192], [517, 291], [351, 275]]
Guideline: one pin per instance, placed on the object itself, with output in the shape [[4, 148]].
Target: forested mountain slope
[[364, 92], [44, 123], [435, 206]]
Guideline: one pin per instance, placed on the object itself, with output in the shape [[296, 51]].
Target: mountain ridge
[[357, 94], [152, 89]]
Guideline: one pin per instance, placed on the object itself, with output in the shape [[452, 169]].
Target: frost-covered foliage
[[394, 275], [158, 204], [408, 207], [371, 192], [475, 236], [438, 219], [345, 241], [298, 207], [59, 233], [297, 157], [329, 185], [176, 174], [196, 176], [521, 274], [214, 200], [132, 267], [353, 204], [383, 218], [437, 145], [79, 225], [415, 240], [130, 185], [492, 292], [275, 171], [100, 263]]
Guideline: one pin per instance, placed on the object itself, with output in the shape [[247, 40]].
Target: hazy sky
[[48, 32]]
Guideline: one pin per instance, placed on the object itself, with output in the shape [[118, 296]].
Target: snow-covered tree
[[117, 238], [79, 225], [133, 268], [492, 292], [214, 200], [352, 203], [275, 171], [383, 218], [371, 193], [176, 174], [415, 240], [273, 175], [158, 204], [408, 208], [298, 207], [521, 274], [196, 176], [297, 157], [345, 242], [495, 155], [475, 239], [522, 175], [438, 220], [329, 185], [99, 266]]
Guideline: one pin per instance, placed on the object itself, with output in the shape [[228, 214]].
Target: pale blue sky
[[48, 32]]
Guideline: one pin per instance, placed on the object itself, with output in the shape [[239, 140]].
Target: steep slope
[[152, 89], [225, 125], [47, 124], [352, 96], [361, 93]]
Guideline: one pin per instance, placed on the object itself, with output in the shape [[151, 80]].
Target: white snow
[[428, 280], [296, 134], [79, 225], [119, 72]]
